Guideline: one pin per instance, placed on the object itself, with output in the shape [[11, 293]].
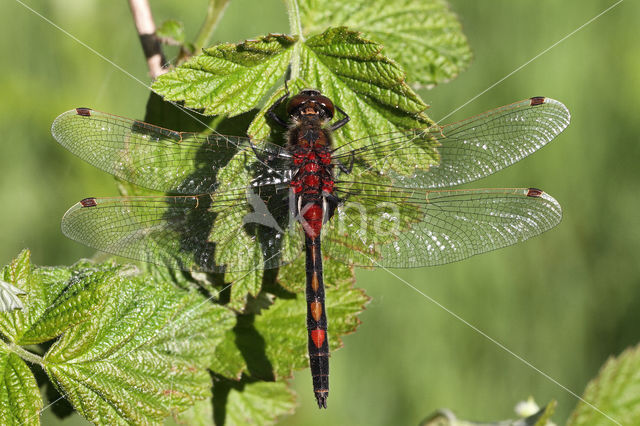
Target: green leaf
[[20, 401], [84, 292], [229, 360], [17, 275], [244, 283], [171, 31], [227, 78], [142, 357], [200, 414], [56, 298], [130, 348], [349, 69], [614, 391], [423, 36], [258, 403], [352, 72]]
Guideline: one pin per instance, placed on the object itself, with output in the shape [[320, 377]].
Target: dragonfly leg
[[346, 169], [335, 126], [271, 112]]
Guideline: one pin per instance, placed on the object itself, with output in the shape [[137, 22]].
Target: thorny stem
[[295, 27], [215, 10], [147, 32]]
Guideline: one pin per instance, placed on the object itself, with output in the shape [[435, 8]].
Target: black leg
[[335, 126], [345, 169], [271, 112], [349, 168]]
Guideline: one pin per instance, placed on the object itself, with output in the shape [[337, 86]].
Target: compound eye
[[326, 104], [296, 101]]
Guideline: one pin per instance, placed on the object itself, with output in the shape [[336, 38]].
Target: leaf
[[20, 401], [130, 348], [244, 283], [171, 31], [142, 357], [423, 36], [614, 391], [349, 69], [227, 78], [352, 72], [258, 403], [84, 292], [229, 360], [17, 275], [56, 298], [9, 300], [200, 414]]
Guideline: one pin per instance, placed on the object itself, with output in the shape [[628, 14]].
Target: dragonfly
[[232, 203]]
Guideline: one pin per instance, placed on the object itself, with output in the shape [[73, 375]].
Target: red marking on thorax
[[327, 186], [325, 158], [311, 167], [312, 180], [318, 337]]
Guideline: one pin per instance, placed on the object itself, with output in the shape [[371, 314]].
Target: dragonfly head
[[310, 102]]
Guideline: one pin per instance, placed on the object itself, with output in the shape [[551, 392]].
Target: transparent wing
[[158, 158], [404, 228], [466, 151], [231, 231]]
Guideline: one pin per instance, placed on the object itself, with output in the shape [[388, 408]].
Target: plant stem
[[24, 354], [295, 27], [147, 32], [215, 11]]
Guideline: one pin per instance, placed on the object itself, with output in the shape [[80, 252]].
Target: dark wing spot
[[88, 202], [537, 100], [534, 192], [85, 112]]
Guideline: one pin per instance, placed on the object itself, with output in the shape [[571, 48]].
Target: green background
[[564, 301]]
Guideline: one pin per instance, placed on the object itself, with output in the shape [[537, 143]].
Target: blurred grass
[[564, 301]]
